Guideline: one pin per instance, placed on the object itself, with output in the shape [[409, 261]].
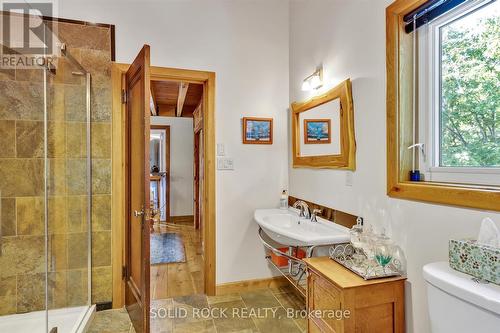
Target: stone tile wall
[[22, 242]]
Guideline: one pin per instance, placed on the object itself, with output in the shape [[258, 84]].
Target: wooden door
[[137, 94], [201, 185], [167, 176], [196, 183], [198, 180]]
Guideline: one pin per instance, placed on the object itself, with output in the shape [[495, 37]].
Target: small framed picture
[[257, 130], [317, 131]]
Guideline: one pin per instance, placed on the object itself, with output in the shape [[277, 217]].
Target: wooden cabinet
[[339, 301]]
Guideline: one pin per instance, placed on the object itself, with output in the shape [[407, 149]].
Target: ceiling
[[167, 95]]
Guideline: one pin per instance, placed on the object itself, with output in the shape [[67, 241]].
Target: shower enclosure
[[46, 197]]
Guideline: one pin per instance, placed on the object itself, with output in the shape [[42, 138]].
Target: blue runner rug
[[167, 248]]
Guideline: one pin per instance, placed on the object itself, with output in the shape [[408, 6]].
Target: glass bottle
[[384, 250]]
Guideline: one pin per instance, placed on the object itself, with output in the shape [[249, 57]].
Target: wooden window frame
[[399, 59]]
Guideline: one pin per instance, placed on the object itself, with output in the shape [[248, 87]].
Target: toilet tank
[[458, 304]]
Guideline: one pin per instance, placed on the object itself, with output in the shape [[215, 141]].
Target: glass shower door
[[45, 198], [68, 194], [45, 194]]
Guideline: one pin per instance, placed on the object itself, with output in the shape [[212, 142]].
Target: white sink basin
[[285, 227]]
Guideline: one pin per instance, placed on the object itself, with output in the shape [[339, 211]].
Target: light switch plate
[[225, 163], [228, 164], [349, 178], [221, 149]]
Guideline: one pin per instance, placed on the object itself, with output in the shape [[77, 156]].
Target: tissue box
[[480, 261]]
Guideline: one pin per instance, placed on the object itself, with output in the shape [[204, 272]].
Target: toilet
[[458, 304]]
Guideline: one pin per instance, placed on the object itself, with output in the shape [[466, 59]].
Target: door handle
[[138, 213]]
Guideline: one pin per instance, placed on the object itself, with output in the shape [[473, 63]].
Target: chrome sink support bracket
[[310, 251], [290, 262], [296, 267]]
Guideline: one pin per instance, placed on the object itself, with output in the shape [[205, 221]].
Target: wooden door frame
[[166, 128], [118, 170], [196, 183]]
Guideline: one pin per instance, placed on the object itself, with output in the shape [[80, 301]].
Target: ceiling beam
[[183, 88]]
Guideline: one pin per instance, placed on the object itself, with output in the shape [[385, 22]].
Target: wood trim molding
[[181, 219], [399, 53], [251, 285], [118, 187], [347, 157], [198, 119], [118, 170]]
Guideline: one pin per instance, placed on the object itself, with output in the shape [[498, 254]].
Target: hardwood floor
[[179, 279]]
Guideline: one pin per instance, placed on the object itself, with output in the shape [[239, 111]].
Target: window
[[453, 75], [458, 95]]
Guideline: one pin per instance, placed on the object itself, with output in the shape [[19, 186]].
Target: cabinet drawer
[[324, 296]]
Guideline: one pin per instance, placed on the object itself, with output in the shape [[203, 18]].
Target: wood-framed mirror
[[323, 130]]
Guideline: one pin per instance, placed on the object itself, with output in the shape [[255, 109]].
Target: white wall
[[246, 43], [181, 163], [348, 37]]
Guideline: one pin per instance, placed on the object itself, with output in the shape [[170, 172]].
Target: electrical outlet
[[349, 178], [225, 163], [221, 150]]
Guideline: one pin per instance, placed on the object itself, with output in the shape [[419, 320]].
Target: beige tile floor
[[111, 321], [263, 311]]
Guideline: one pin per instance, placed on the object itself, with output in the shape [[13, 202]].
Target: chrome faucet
[[303, 207], [314, 214]]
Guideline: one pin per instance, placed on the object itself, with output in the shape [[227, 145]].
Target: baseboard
[[182, 219], [250, 285], [103, 306]]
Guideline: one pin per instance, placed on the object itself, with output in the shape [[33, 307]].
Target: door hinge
[[124, 272], [124, 96]]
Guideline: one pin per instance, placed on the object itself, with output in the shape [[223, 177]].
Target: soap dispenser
[[284, 200]]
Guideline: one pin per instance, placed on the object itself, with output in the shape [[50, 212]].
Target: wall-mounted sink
[[285, 227]]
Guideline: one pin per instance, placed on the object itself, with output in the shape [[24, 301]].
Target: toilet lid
[[461, 285]]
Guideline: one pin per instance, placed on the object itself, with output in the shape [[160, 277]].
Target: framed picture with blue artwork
[[257, 130], [317, 131]]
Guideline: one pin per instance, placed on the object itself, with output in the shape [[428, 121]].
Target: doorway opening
[[133, 213], [177, 261]]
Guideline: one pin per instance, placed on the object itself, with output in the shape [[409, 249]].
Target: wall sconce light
[[313, 81]]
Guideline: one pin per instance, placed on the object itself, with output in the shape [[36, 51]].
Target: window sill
[[486, 198]]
